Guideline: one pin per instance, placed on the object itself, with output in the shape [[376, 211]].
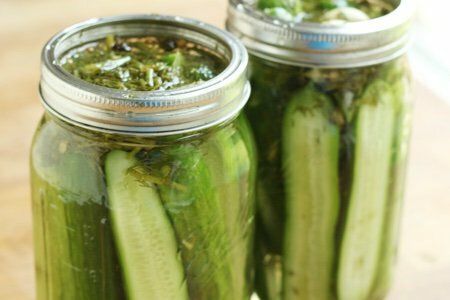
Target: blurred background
[[431, 46], [25, 25]]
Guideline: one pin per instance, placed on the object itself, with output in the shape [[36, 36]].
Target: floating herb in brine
[[325, 11], [142, 63]]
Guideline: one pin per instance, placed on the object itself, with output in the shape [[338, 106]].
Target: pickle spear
[[74, 246], [396, 191], [310, 158], [144, 236], [362, 237], [229, 153], [193, 203]]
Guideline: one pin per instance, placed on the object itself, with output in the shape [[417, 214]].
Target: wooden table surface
[[25, 25]]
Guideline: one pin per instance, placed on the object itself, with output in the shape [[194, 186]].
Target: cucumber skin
[[231, 156], [201, 230], [267, 273], [73, 241], [389, 250], [310, 161], [144, 236], [213, 215], [359, 256], [40, 264], [53, 243]]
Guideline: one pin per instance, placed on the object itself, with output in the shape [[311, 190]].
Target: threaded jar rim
[[185, 109], [353, 44]]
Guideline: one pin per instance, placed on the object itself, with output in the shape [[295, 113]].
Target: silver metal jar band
[[147, 113], [322, 45]]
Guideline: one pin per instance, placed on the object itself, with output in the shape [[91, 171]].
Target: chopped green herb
[[325, 11], [142, 63]]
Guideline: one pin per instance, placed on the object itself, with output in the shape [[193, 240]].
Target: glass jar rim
[[185, 109], [347, 45]]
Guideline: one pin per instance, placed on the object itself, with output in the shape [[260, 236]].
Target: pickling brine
[[339, 140], [143, 218]]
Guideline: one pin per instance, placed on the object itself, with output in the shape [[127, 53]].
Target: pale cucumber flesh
[[361, 244], [391, 229], [144, 235]]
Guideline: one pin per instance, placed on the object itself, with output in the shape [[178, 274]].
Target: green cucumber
[[267, 266], [229, 153], [54, 243], [197, 213], [144, 236], [362, 237], [396, 191], [71, 222], [310, 161], [41, 262]]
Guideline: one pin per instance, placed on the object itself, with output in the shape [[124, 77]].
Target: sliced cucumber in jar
[[391, 229], [144, 236], [362, 237], [229, 154], [310, 158], [196, 211], [75, 254]]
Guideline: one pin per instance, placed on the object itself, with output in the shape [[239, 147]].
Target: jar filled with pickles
[[143, 166], [331, 112]]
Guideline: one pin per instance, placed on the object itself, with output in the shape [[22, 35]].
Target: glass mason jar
[[144, 195], [331, 111]]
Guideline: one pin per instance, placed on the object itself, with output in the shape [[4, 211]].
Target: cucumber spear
[[391, 229], [75, 253], [310, 158], [144, 235], [229, 153], [362, 237], [196, 211]]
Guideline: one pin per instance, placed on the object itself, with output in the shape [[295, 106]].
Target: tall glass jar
[[143, 195], [331, 112]]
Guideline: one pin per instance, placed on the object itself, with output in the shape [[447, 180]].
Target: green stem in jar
[[144, 235], [310, 161], [359, 255]]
